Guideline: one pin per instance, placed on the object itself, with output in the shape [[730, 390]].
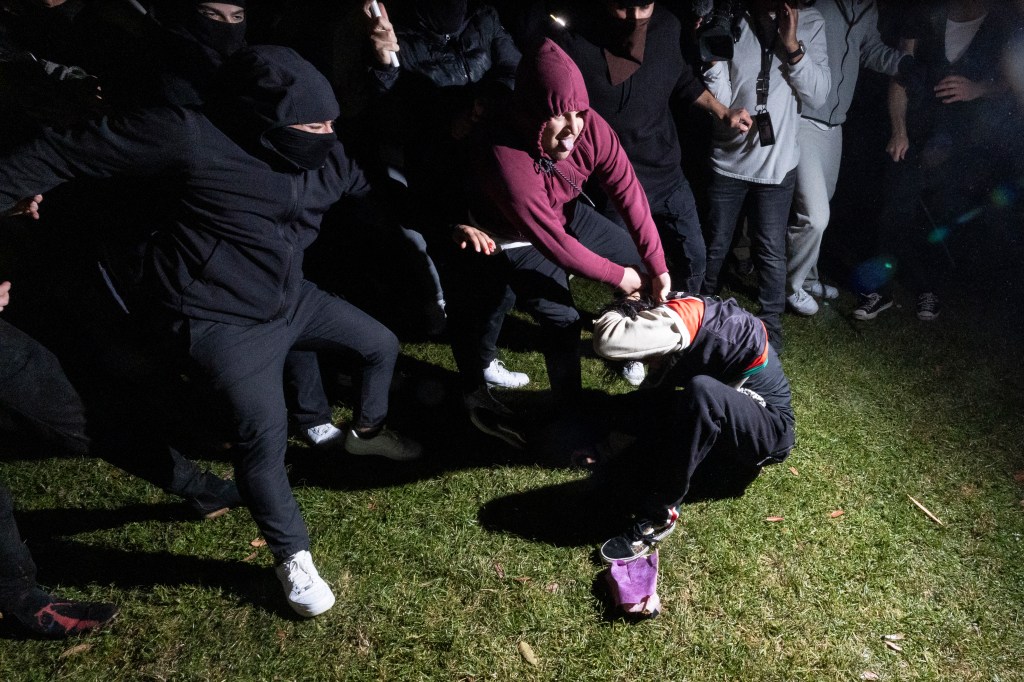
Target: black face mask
[[443, 16], [220, 36], [306, 150]]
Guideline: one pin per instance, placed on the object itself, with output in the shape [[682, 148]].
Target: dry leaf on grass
[[868, 675], [1019, 476], [523, 579], [836, 514], [526, 651], [251, 556], [551, 587], [894, 646], [774, 519], [258, 542], [500, 570], [793, 471], [77, 649]]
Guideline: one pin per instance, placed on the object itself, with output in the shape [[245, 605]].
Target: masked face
[[307, 145], [219, 26], [442, 16]]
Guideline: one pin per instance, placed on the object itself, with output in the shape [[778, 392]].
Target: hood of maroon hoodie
[[548, 83]]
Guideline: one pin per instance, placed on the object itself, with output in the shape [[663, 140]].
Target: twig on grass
[[931, 516]]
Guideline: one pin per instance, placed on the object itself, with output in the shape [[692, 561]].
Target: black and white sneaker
[[640, 539], [871, 305], [927, 306]]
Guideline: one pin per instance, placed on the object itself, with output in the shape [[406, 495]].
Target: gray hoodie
[[851, 30]]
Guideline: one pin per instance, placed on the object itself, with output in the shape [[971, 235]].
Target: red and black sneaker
[[66, 618]]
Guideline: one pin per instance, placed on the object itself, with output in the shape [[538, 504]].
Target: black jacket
[[232, 249], [639, 109]]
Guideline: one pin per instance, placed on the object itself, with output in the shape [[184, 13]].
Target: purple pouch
[[634, 584]]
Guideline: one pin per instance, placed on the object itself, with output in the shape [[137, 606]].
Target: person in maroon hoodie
[[532, 225]]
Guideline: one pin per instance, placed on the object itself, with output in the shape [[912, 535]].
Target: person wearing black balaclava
[[199, 37], [255, 170]]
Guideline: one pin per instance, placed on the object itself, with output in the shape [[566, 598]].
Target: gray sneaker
[[802, 303], [385, 444]]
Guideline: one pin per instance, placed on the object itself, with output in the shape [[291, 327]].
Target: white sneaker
[[495, 374], [305, 590], [385, 444], [634, 372], [802, 303], [820, 290], [323, 435]]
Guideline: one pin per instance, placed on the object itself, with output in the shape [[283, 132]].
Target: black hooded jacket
[[232, 249]]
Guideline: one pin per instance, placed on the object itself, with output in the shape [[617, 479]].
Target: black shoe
[[57, 618], [495, 425], [871, 305], [927, 307], [638, 540], [214, 496]]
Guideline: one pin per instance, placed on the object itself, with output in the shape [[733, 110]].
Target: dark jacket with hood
[[639, 108], [232, 249], [451, 44], [522, 195]]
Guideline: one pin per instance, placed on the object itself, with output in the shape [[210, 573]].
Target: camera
[[719, 28]]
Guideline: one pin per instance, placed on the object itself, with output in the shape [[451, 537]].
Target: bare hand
[[382, 33], [959, 89], [660, 286], [897, 147], [788, 21], [465, 235], [5, 294], [631, 282], [738, 120], [29, 207]]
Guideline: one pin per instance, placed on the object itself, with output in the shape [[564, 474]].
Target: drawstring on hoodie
[[547, 166]]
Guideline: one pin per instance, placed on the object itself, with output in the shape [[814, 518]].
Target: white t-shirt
[[959, 35]]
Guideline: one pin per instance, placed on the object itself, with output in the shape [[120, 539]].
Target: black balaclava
[[443, 17], [305, 149], [220, 36]]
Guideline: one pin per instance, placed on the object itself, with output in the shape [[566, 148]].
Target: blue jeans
[[675, 214], [768, 220]]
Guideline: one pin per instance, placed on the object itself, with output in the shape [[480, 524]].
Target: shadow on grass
[[66, 562]]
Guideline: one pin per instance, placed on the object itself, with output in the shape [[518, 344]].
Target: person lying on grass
[[718, 382]]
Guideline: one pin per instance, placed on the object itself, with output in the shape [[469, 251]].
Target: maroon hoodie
[[516, 199]]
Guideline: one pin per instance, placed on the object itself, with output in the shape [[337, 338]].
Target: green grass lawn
[[441, 571]]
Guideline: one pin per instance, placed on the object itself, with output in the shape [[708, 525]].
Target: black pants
[[244, 364], [709, 419], [541, 288]]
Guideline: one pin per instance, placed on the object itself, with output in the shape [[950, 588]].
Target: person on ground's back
[[718, 392]]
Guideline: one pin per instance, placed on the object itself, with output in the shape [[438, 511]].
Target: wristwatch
[[791, 57]]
